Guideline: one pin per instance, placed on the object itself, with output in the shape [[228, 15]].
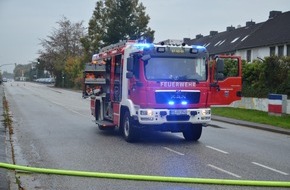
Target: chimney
[[250, 23], [230, 28], [198, 36], [274, 14], [187, 41], [212, 33]]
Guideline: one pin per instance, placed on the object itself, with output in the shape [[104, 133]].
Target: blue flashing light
[[171, 103], [141, 46], [196, 48], [184, 102], [200, 47]]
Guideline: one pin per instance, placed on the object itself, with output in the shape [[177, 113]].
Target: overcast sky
[[24, 22]]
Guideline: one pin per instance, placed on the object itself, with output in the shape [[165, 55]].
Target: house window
[[272, 51], [288, 50], [249, 52], [280, 51]]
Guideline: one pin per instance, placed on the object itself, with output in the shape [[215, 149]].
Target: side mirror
[[130, 63], [220, 66]]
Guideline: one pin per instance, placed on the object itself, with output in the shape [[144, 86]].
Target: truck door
[[225, 80]]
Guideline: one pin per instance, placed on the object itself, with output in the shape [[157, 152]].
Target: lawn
[[253, 116]]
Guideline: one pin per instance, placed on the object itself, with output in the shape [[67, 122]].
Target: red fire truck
[[136, 86]]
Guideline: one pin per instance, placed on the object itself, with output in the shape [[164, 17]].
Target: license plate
[[178, 112]]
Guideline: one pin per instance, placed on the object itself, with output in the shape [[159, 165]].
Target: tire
[[192, 132], [130, 133]]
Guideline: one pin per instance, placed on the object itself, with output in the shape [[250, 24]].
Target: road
[[53, 128]]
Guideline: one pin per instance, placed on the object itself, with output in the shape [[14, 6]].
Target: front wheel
[[192, 132], [129, 131]]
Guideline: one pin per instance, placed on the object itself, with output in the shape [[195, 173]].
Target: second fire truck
[[136, 86]]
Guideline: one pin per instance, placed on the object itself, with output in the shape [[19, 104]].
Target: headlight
[[150, 112], [205, 112], [146, 112]]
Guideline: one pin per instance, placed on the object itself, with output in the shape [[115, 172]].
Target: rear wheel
[[192, 132], [129, 131]]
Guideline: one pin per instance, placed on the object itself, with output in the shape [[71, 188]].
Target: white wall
[[260, 52], [242, 53], [260, 104]]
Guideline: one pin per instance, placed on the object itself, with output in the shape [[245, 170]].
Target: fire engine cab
[[136, 86]]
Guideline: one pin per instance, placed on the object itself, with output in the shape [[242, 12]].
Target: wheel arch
[[122, 112]]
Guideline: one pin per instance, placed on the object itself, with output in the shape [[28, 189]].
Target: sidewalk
[[251, 124], [4, 181]]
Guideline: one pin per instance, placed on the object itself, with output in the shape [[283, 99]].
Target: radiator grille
[[177, 97]]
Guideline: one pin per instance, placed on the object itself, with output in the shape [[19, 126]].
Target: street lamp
[[8, 64]]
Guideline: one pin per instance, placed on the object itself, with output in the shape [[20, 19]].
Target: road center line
[[225, 171], [269, 168], [169, 149], [216, 149]]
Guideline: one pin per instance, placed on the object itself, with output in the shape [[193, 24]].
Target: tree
[[115, 20], [73, 68], [93, 40], [64, 42]]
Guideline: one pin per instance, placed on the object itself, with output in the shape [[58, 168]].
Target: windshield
[[178, 69]]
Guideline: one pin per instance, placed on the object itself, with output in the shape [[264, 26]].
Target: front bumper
[[164, 116]]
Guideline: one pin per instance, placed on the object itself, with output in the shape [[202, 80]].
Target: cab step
[[103, 123]]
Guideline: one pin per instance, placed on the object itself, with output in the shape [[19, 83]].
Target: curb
[[251, 125]]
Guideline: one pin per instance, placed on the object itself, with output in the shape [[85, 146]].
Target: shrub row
[[271, 75]]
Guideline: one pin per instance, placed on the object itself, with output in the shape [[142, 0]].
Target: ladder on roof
[[117, 45]]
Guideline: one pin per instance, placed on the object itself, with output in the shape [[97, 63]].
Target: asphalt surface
[[5, 177]]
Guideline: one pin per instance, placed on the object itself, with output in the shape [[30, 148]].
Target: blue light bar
[[171, 103], [141, 46], [199, 47]]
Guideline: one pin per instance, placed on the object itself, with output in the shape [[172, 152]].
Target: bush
[[269, 76]]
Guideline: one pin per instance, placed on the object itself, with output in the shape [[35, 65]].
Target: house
[[253, 41]]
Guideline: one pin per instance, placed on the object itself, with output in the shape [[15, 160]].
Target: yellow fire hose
[[147, 177]]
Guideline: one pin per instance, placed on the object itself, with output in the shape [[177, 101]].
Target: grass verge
[[253, 116]]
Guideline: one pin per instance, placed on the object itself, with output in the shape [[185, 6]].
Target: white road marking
[[225, 171], [216, 149], [169, 149], [269, 168]]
